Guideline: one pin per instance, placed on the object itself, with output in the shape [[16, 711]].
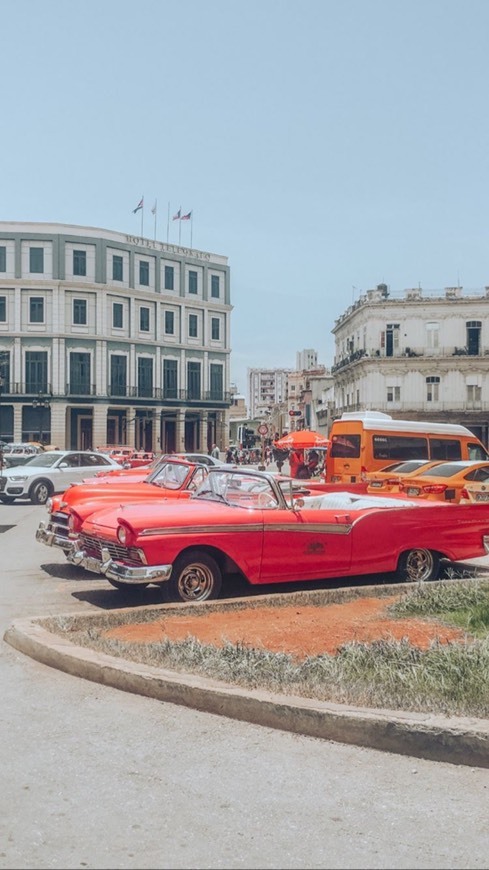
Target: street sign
[[263, 429]]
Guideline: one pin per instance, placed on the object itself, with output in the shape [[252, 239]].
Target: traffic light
[[295, 413]]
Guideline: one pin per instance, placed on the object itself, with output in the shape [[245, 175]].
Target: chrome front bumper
[[113, 570], [47, 534]]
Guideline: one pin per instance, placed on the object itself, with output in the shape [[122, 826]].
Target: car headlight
[[122, 535], [75, 523], [17, 478]]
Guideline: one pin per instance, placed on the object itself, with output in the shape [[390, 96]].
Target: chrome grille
[[93, 547]]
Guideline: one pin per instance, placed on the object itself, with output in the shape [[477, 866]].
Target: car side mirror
[[63, 465]]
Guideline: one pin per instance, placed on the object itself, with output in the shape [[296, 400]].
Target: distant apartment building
[[107, 337], [266, 388], [306, 360], [417, 354]]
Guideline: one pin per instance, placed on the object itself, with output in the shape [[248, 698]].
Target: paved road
[[96, 778]]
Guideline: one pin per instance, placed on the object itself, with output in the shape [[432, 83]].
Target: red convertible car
[[251, 522], [172, 479]]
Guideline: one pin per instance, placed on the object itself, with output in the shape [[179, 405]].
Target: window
[[169, 322], [118, 375], [215, 286], [144, 273], [145, 376], [474, 394], [192, 326], [36, 371], [36, 309], [170, 379], [192, 282], [432, 389], [117, 273], [392, 339], [393, 394], [395, 447], [3, 258], [79, 262], [80, 374], [432, 335], [169, 278], [193, 380], [216, 382], [215, 328], [117, 315], [3, 309], [144, 319], [80, 312], [36, 260]]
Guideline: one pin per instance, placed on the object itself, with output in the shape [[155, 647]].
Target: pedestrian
[[296, 463], [215, 451]]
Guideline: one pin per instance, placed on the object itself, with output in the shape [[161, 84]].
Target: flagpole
[[180, 228], [142, 217], [191, 226], [168, 226], [155, 210]]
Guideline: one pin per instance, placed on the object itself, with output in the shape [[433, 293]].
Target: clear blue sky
[[324, 147]]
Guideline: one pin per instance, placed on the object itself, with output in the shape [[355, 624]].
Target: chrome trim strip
[[302, 528]]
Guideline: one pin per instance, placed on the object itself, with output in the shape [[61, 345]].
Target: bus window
[[477, 452], [392, 447], [445, 448], [345, 447]]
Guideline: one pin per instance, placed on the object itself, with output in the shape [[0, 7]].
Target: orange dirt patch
[[300, 630]]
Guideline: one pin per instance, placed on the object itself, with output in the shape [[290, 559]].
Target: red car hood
[[185, 513]]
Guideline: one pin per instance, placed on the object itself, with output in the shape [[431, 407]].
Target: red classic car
[[252, 522], [172, 479]]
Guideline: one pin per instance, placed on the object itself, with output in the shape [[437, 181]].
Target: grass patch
[[450, 679]]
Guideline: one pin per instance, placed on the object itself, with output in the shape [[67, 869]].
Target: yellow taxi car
[[444, 482], [387, 479]]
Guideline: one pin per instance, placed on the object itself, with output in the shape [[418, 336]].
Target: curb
[[438, 738]]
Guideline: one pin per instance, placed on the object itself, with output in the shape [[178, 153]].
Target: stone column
[[99, 425], [203, 446], [180, 431]]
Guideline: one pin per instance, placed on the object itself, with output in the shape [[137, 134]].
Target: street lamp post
[[41, 402]]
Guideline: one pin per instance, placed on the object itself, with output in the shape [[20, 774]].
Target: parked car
[[139, 459], [445, 481], [50, 472], [175, 478], [19, 454], [387, 479], [203, 458], [249, 521], [475, 492]]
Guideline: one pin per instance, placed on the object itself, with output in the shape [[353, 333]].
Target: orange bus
[[367, 441]]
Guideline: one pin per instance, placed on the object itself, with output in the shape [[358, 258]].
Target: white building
[[422, 355], [111, 338], [306, 359], [266, 388]]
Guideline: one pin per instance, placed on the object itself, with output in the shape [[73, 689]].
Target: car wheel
[[40, 492], [418, 565], [7, 499], [196, 576], [128, 587]]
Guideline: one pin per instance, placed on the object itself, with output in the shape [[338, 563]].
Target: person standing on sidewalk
[[215, 451]]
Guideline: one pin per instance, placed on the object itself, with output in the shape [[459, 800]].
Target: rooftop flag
[[178, 215], [139, 205], [186, 217], [153, 210]]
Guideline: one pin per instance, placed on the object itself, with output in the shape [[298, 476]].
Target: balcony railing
[[407, 408], [408, 351], [157, 394]]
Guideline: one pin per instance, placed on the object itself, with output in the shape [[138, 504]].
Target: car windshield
[[170, 475], [239, 489]]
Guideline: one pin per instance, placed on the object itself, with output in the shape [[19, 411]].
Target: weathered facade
[[418, 355]]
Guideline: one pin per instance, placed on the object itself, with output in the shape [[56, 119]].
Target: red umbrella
[[302, 439]]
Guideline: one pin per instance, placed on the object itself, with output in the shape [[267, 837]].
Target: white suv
[[51, 472]]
